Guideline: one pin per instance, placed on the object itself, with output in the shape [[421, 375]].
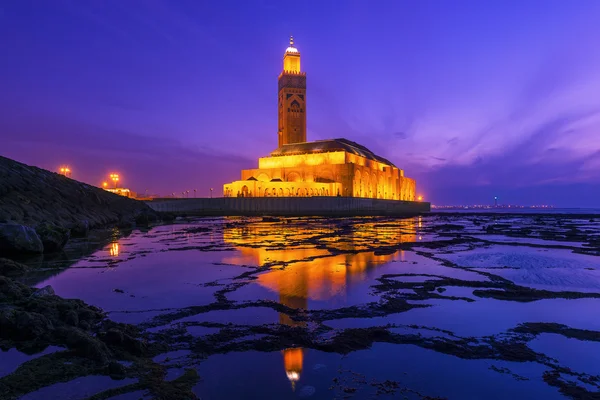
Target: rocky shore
[[40, 210]]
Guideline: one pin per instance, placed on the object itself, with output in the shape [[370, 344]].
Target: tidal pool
[[435, 307]]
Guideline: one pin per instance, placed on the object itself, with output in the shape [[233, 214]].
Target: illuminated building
[[313, 273], [336, 167]]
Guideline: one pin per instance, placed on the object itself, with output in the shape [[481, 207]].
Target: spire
[[291, 41]]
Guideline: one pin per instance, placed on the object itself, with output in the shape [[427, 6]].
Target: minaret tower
[[292, 99]]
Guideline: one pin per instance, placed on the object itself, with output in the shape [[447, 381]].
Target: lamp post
[[65, 170], [194, 193], [211, 189], [104, 185], [115, 179]]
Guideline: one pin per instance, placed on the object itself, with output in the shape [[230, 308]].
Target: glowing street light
[[211, 189], [420, 198], [104, 185], [65, 170], [115, 179]]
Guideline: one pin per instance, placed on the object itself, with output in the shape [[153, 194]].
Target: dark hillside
[[31, 195]]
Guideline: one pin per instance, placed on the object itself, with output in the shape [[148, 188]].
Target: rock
[[45, 291], [31, 325], [113, 337], [19, 239], [80, 229], [71, 318], [11, 268], [84, 344], [116, 370], [167, 217], [53, 237], [11, 291]]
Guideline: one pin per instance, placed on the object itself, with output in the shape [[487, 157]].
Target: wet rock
[[11, 268], [30, 325], [53, 237], [45, 291], [80, 229], [71, 318], [114, 337], [167, 217], [116, 370], [84, 344], [19, 239], [10, 290]]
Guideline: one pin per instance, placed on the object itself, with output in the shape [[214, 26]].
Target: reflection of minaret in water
[[293, 358]]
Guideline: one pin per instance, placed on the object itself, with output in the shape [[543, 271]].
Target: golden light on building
[[297, 168]]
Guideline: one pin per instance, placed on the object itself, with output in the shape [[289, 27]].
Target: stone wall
[[289, 206]]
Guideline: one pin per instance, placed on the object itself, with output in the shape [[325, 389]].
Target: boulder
[[53, 237], [45, 291], [12, 291], [19, 239], [84, 344], [30, 325], [80, 229], [11, 268]]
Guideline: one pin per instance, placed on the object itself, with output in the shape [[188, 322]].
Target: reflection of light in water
[[420, 225], [312, 273], [420, 237], [292, 361], [114, 249]]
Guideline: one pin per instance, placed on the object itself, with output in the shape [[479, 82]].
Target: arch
[[293, 177], [280, 194], [267, 192], [274, 192], [263, 177], [288, 193], [244, 191]]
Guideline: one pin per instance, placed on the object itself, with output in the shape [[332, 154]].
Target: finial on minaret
[[292, 40]]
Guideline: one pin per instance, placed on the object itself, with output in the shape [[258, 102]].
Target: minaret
[[292, 99]]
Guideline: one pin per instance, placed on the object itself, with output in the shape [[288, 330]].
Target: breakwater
[[289, 206]]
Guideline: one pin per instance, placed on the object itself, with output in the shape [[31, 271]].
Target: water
[[419, 279]]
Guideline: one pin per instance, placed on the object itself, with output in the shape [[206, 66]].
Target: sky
[[474, 99]]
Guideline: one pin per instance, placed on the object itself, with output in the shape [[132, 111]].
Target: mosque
[[334, 167]]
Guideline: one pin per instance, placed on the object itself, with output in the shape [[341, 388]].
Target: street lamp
[[420, 198], [115, 179], [65, 170], [211, 189], [194, 193], [104, 185]]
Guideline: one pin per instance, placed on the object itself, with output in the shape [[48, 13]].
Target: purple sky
[[472, 98]]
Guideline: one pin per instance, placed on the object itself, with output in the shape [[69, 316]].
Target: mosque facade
[[334, 167]]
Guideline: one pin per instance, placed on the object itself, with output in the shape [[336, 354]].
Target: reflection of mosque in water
[[313, 273]]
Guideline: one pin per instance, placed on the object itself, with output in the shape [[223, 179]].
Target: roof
[[326, 146]]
